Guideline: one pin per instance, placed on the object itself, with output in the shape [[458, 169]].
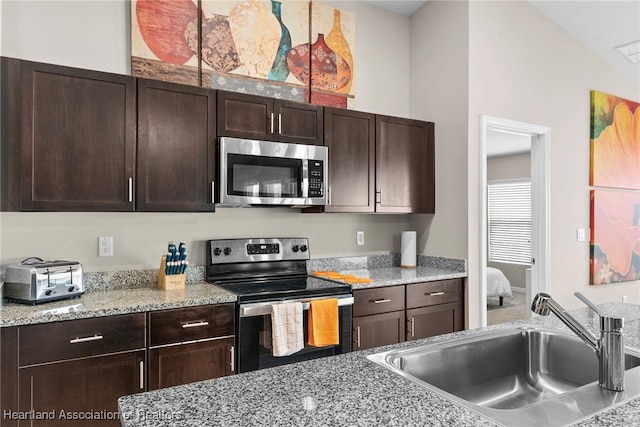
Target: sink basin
[[525, 375]]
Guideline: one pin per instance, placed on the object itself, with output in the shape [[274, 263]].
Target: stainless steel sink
[[519, 376]]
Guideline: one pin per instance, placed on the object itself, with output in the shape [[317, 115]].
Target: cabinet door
[[176, 147], [298, 123], [434, 320], [187, 363], [8, 373], [377, 330], [78, 139], [405, 173], [350, 137], [78, 387], [245, 116]]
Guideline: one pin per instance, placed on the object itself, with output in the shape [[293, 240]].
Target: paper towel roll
[[408, 249]]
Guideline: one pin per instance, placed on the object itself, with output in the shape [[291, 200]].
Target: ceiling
[[600, 25]]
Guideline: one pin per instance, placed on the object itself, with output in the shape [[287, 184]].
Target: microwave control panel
[[316, 178]]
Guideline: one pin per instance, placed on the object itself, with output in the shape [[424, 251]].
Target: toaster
[[34, 281]]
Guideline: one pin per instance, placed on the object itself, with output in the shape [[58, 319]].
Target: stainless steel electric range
[[265, 271]]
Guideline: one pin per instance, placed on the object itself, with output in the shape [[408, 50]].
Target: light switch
[[582, 236]]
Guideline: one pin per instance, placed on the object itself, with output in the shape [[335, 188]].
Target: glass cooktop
[[279, 289]]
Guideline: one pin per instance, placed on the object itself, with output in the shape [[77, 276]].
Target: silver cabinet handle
[[379, 196], [195, 324], [434, 294], [131, 189], [233, 359], [279, 124], [213, 191], [86, 339], [271, 122], [142, 375], [413, 327], [358, 336], [381, 301]]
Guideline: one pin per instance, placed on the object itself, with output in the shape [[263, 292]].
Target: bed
[[497, 284]]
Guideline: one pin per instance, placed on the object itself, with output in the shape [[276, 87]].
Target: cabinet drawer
[[49, 342], [192, 323], [433, 293], [378, 300]]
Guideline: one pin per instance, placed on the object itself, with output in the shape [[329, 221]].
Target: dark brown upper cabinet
[[379, 163], [350, 138], [176, 147], [72, 145], [405, 165], [261, 118]]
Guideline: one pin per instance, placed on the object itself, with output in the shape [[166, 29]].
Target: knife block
[[171, 281]]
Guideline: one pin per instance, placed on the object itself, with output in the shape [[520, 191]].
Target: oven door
[[254, 336]]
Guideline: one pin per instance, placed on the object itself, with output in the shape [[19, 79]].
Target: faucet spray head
[[539, 305]]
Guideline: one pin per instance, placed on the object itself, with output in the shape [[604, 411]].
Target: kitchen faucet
[[609, 348]]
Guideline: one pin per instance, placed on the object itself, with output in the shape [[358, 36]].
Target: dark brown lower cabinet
[[186, 363], [435, 320], [378, 329], [79, 392], [389, 315]]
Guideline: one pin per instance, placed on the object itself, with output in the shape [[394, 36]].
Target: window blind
[[510, 221]]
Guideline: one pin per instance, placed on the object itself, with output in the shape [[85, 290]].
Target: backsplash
[[127, 279], [107, 280], [382, 261]]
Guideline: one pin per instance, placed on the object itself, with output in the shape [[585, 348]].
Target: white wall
[[439, 75], [95, 35], [524, 67]]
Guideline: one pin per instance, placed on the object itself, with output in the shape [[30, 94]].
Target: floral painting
[[615, 142], [615, 236], [289, 49]]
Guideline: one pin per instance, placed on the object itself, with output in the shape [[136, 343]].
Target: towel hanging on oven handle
[[264, 308]]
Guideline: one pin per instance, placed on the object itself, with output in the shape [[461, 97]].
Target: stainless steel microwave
[[271, 173]]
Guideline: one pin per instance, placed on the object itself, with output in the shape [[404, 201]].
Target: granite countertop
[[384, 270], [112, 302], [135, 291], [346, 389]]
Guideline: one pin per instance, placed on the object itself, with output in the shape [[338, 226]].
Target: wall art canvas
[[615, 236], [332, 46], [247, 47], [164, 36], [615, 142], [290, 49]]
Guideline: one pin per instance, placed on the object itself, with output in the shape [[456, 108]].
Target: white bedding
[[497, 283]]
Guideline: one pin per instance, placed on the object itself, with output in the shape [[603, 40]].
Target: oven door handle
[[264, 308]]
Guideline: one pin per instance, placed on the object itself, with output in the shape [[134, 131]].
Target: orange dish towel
[[323, 322]]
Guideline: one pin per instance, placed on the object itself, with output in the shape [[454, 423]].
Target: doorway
[[540, 268]]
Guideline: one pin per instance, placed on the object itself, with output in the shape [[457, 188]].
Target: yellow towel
[[323, 323]]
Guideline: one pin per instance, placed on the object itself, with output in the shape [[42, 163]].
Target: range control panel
[[226, 251]]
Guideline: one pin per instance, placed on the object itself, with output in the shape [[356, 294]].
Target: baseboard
[[518, 289]]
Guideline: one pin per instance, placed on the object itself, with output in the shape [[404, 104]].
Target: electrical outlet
[[105, 246], [360, 238]]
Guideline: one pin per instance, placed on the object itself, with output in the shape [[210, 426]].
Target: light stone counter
[[344, 390], [113, 293], [384, 270]]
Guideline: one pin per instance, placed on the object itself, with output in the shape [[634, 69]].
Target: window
[[510, 221]]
